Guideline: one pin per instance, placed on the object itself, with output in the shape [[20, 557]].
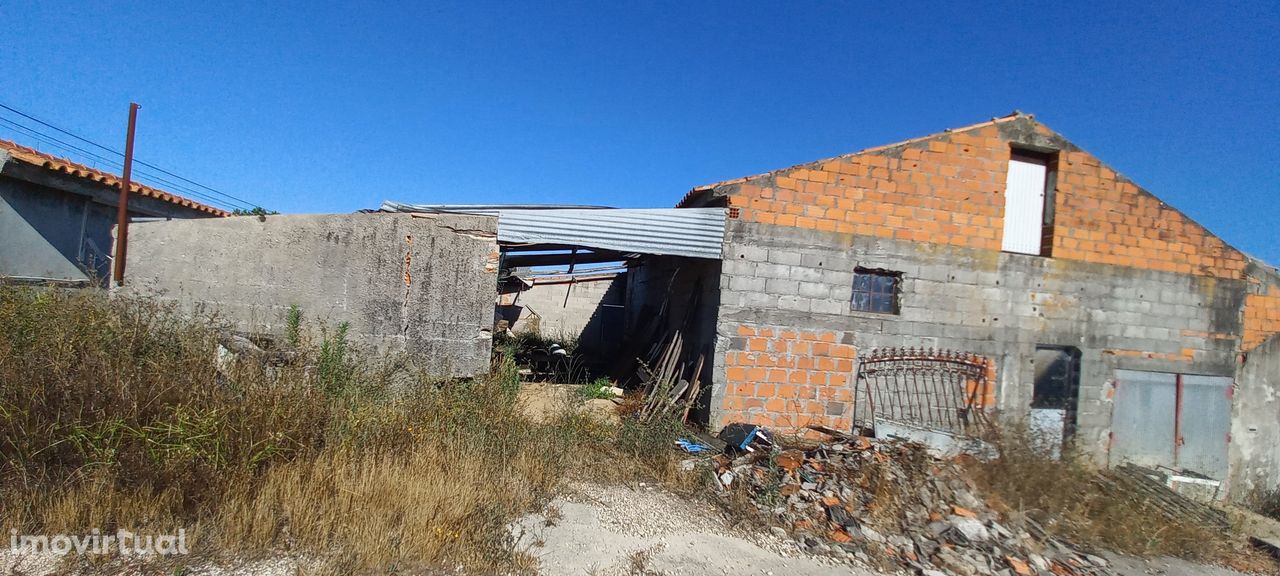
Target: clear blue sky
[[333, 107]]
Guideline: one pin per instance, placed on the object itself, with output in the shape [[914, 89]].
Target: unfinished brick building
[[995, 268]]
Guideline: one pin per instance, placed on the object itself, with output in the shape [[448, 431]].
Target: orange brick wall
[[1261, 317], [986, 396], [949, 189], [789, 379]]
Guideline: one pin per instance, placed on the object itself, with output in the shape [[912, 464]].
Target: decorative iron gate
[[938, 389]]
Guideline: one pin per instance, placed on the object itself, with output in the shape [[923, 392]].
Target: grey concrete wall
[[995, 304], [40, 232], [48, 233], [544, 307], [690, 288], [420, 285], [59, 227], [1255, 422]]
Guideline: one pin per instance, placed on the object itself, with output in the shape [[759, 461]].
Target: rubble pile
[[891, 500]]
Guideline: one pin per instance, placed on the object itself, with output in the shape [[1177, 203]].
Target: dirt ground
[[593, 530], [540, 401], [1128, 566], [619, 530], [598, 530]]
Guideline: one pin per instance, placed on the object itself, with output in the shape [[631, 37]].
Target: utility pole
[[122, 214]]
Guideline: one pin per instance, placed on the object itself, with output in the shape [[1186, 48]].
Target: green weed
[[293, 325]]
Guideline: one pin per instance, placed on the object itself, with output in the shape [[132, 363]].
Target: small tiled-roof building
[[1006, 263], [56, 216]]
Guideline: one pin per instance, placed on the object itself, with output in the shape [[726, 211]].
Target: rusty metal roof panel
[[690, 232]]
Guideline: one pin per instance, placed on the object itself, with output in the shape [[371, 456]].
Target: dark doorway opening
[[1056, 394]]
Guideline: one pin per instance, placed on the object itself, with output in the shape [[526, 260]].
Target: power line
[[40, 136], [117, 165], [189, 191], [231, 201], [140, 162]]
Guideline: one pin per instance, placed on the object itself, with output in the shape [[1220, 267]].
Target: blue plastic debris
[[691, 446]]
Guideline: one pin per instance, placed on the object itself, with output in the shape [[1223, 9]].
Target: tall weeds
[[1068, 498], [120, 413]]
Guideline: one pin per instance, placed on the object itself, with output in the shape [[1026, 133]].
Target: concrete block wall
[[1255, 427], [997, 305], [590, 310], [1131, 282], [685, 291], [668, 293], [423, 286]]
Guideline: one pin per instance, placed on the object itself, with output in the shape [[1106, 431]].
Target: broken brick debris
[[892, 500]]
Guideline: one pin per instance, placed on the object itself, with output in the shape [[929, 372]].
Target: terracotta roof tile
[[51, 162]]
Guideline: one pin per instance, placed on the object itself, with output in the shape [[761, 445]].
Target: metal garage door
[[1173, 420], [1205, 425], [1144, 418]]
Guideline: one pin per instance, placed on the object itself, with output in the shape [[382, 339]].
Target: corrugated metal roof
[[691, 232]]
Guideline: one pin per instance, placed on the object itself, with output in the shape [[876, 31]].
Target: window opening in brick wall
[[876, 290]]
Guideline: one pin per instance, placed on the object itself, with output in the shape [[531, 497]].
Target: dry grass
[[1264, 502], [1065, 497], [114, 414]]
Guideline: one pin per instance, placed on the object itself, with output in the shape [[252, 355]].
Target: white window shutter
[[1024, 207]]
